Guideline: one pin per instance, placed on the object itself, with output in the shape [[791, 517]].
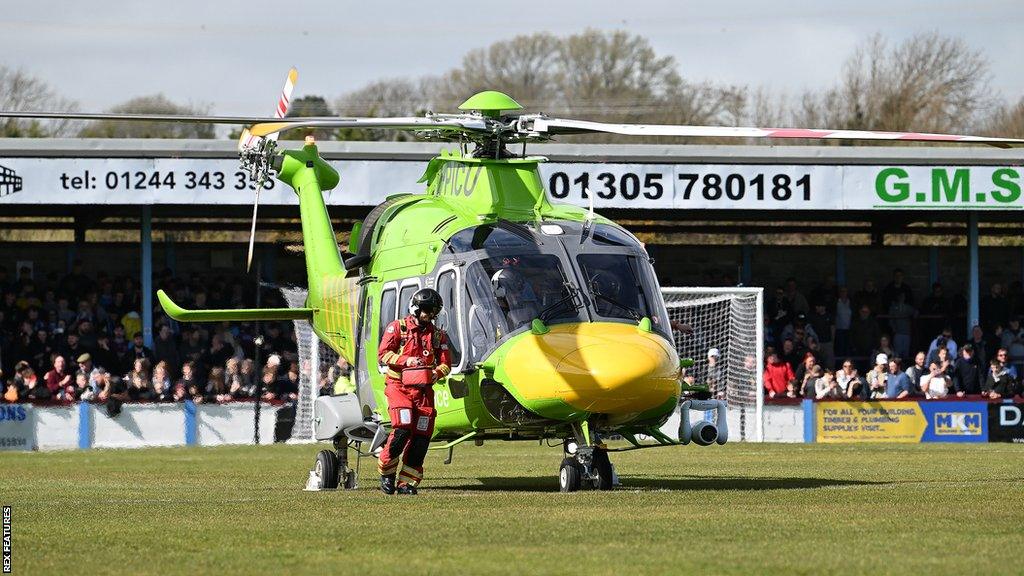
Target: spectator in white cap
[[877, 377]]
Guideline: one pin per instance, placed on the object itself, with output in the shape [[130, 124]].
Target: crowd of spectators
[[79, 338], [888, 344]]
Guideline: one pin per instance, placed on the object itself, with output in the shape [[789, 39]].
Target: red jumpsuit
[[411, 408]]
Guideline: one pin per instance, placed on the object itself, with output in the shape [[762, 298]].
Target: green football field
[[740, 509]]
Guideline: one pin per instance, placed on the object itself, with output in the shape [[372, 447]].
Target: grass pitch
[[739, 509]]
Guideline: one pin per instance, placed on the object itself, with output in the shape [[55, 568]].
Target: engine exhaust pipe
[[704, 433]]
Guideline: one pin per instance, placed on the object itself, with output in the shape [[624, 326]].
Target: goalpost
[[727, 319]]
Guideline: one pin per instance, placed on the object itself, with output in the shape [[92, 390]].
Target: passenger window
[[448, 319], [387, 309], [404, 297], [367, 317]]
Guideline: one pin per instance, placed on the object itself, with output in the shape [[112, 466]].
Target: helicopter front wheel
[[570, 475]]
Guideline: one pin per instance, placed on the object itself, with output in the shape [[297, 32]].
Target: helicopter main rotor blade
[[556, 126], [466, 124], [242, 120]]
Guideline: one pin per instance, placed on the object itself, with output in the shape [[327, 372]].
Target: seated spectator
[[827, 388], [139, 389], [877, 378], [999, 383], [802, 370], [287, 386], [1013, 340], [138, 350], [843, 317], [269, 381], [58, 378], [239, 386], [161, 381], [884, 347], [915, 373], [983, 351], [1002, 354], [790, 354], [778, 376], [849, 380], [161, 385], [85, 366], [967, 374], [809, 381], [864, 332], [901, 315], [943, 340], [944, 360], [79, 391], [935, 384], [216, 387], [898, 384]]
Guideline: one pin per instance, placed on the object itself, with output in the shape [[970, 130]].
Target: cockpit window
[[613, 285], [524, 287], [486, 236], [619, 288], [612, 236]]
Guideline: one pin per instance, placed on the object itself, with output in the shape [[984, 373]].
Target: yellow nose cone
[[607, 368]]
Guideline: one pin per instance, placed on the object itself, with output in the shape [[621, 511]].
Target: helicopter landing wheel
[[570, 475], [326, 469]]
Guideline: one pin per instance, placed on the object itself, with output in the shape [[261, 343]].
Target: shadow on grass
[[675, 483]]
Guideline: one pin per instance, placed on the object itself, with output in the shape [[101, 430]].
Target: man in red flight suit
[[416, 354]]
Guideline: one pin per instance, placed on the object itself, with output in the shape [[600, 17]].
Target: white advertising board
[[154, 181]]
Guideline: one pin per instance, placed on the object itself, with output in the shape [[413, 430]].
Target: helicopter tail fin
[[236, 315]]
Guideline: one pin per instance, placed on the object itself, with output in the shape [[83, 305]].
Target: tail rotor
[[256, 153]]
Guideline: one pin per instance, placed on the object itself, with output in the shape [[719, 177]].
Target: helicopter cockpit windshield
[[514, 274]]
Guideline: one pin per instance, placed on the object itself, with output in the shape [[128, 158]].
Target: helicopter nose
[[607, 368]]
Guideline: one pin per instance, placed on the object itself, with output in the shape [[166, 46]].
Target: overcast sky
[[233, 55]]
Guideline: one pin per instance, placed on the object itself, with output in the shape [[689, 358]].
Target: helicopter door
[[361, 369]]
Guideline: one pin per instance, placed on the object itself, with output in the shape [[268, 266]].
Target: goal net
[[317, 368], [726, 320], [726, 346]]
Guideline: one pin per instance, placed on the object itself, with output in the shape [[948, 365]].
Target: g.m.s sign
[[978, 187]]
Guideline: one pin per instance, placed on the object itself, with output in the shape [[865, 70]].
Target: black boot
[[387, 484], [409, 489]]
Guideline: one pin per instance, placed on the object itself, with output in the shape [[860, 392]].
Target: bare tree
[[1006, 121], [928, 83], [615, 75], [155, 104], [523, 67], [20, 91], [388, 97]]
